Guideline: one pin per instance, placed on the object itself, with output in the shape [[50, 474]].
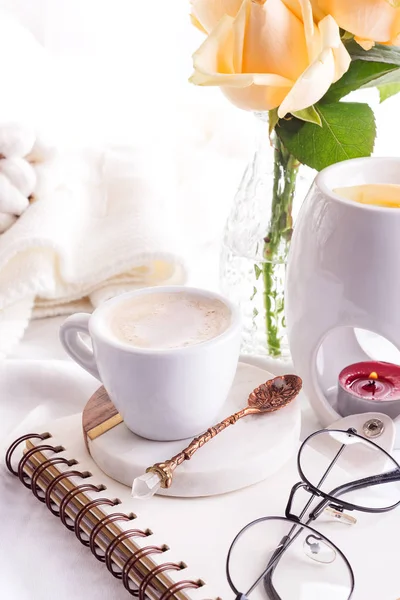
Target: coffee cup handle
[[73, 344]]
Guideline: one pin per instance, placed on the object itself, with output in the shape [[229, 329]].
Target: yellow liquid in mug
[[377, 194]]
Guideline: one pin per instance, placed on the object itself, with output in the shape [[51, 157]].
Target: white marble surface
[[246, 453]]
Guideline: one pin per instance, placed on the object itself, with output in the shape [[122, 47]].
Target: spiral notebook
[[159, 548], [165, 547]]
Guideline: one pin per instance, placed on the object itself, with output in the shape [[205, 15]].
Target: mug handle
[[75, 347]]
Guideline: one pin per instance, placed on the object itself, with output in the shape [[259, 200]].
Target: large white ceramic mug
[[161, 394], [343, 274]]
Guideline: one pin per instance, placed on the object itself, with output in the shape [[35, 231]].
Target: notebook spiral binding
[[31, 482]]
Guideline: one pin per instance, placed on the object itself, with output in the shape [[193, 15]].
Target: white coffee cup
[[162, 394]]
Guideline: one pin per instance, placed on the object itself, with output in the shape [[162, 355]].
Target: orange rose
[[269, 54]]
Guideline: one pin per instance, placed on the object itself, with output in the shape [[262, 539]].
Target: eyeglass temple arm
[[359, 484], [268, 585]]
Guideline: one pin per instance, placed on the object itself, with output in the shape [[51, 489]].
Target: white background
[[116, 71]]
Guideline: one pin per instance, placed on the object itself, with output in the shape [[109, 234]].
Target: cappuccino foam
[[168, 320]]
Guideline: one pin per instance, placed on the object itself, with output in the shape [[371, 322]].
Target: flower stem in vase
[[276, 243]]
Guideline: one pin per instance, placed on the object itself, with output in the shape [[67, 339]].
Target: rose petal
[[369, 20], [311, 86], [197, 23], [238, 29], [342, 61], [272, 34], [213, 62], [318, 77], [207, 13], [329, 29], [309, 29], [257, 98], [365, 44], [295, 7], [330, 38]]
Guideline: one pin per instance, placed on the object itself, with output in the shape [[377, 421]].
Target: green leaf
[[348, 131], [388, 90], [257, 271], [272, 119], [379, 53], [361, 74], [346, 35], [310, 115], [392, 76]]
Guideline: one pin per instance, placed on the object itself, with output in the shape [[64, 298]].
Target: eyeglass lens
[[362, 474], [310, 568]]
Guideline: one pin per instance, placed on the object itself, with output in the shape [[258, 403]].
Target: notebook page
[[200, 530]]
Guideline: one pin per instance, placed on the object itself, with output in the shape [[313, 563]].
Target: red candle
[[369, 386]]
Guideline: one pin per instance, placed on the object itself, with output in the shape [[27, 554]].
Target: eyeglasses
[[342, 471]]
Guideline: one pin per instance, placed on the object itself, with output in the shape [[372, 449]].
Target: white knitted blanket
[[105, 228]]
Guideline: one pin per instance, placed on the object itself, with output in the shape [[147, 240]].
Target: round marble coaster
[[245, 453]]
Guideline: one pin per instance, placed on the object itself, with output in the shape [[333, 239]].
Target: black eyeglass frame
[[327, 500], [349, 487], [278, 554]]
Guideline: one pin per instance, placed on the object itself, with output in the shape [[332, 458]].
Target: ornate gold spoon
[[266, 398]]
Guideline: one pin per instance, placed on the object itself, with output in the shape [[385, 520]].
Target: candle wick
[[373, 383]]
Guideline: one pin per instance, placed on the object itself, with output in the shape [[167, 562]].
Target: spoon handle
[[166, 469]]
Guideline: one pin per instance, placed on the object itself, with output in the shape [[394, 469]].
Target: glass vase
[[256, 243]]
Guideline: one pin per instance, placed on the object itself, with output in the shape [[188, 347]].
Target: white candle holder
[[343, 274]]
